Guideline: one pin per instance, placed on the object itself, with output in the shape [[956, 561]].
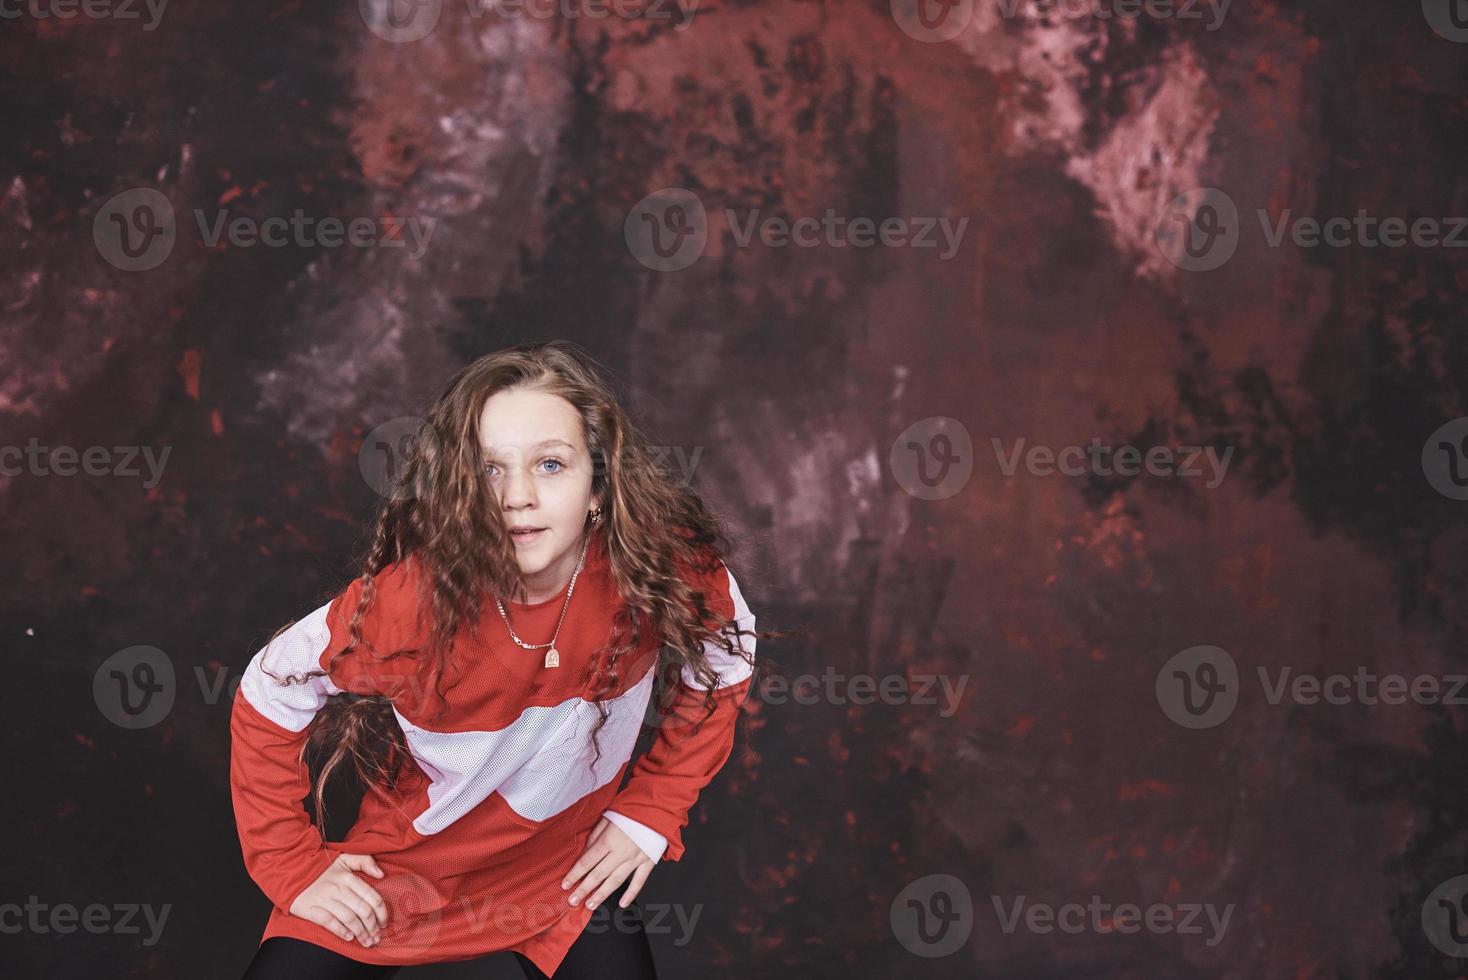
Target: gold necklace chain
[[553, 656]]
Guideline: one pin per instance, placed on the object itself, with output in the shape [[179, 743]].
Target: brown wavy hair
[[444, 514]]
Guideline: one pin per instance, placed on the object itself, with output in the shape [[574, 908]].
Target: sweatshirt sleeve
[[283, 850], [689, 749]]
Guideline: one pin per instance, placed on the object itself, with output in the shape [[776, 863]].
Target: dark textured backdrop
[[1063, 315]]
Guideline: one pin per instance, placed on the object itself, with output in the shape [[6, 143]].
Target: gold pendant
[[553, 657]]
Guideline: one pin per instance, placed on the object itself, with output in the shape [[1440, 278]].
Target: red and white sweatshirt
[[475, 843]]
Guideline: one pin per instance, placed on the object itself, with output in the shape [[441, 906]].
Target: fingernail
[[574, 899], [565, 884], [591, 905]]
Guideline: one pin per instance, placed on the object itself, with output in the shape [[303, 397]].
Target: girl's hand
[[343, 903], [609, 858]]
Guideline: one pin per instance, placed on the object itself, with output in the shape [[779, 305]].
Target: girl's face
[[535, 459]]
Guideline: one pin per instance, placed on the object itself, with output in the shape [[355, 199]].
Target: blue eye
[[558, 463]]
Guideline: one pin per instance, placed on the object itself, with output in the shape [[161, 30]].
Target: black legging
[[605, 950]]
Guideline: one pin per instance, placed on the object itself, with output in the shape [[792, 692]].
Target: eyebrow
[[543, 444]]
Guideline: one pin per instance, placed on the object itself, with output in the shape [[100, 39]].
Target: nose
[[517, 489]]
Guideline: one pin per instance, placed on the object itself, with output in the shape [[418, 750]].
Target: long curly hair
[[445, 515]]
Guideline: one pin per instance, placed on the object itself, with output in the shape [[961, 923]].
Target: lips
[[526, 535]]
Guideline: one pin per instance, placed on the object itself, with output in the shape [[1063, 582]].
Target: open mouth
[[527, 536]]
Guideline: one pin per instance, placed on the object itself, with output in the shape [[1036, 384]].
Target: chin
[[529, 565], [537, 556]]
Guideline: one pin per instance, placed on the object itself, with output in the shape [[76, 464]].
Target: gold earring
[[595, 515]]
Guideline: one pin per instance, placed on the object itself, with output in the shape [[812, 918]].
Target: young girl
[[487, 677]]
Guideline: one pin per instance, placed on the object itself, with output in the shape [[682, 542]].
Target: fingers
[[349, 917], [589, 859], [639, 877], [323, 917], [369, 895], [366, 914], [595, 877], [362, 862], [609, 885], [344, 904]]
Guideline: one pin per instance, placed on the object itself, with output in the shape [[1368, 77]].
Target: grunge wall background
[[900, 434]]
